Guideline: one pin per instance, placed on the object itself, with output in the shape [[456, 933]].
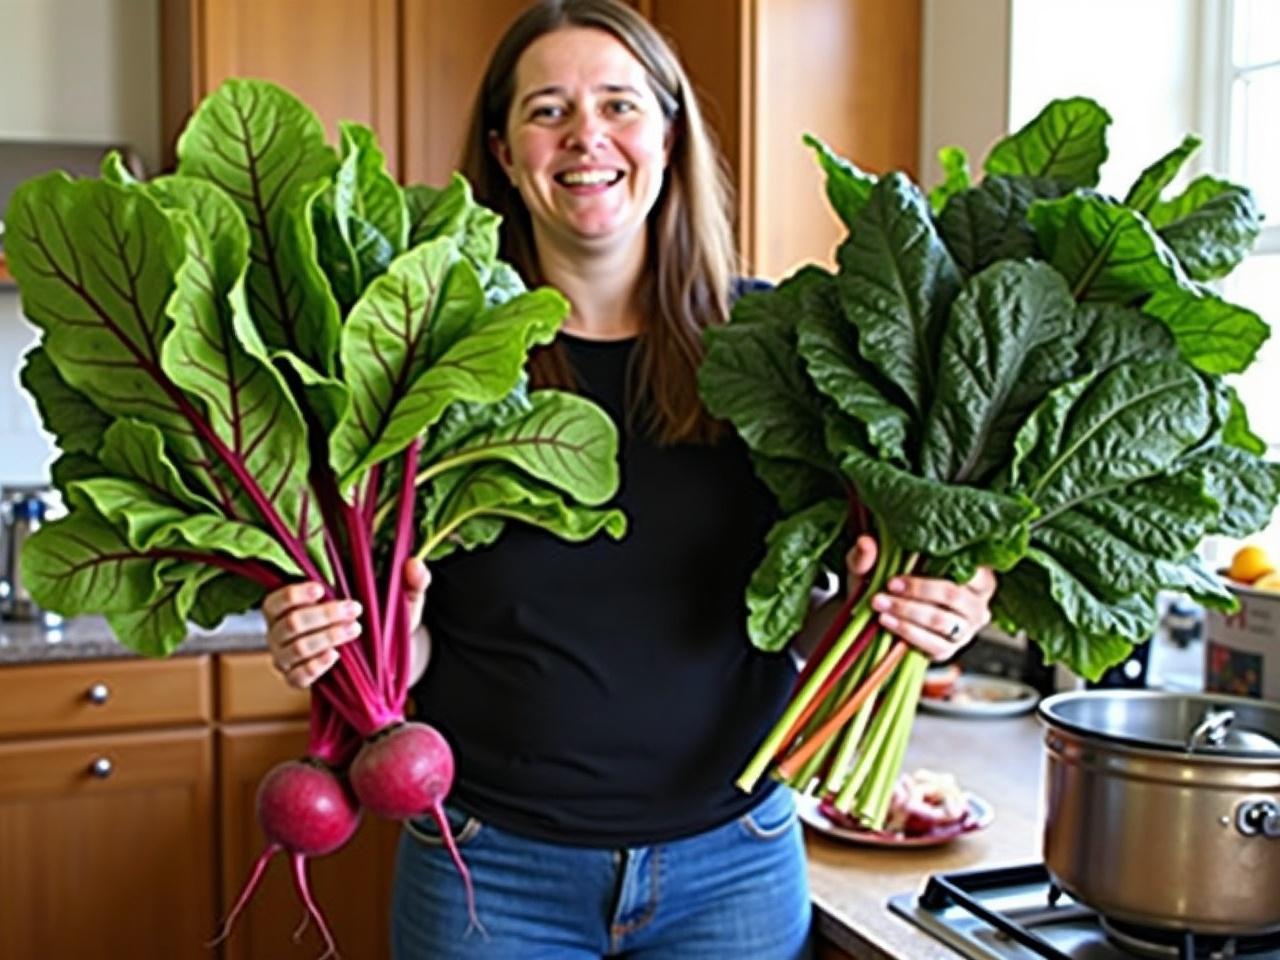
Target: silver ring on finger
[[954, 633]]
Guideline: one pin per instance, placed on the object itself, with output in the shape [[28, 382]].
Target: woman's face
[[586, 143]]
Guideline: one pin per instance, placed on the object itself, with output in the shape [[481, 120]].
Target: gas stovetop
[[1017, 913]]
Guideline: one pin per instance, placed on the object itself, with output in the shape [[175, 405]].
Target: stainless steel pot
[[1164, 809]]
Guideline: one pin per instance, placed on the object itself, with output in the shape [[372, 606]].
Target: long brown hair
[[690, 241]]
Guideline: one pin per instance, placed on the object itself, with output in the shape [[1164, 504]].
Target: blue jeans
[[738, 890]]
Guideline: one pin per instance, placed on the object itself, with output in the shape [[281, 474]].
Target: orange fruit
[[1250, 563], [1268, 581]]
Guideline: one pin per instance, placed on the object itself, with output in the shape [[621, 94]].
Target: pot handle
[[1259, 818], [1211, 730]]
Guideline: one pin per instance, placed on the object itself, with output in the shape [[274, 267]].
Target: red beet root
[[406, 771], [305, 811]]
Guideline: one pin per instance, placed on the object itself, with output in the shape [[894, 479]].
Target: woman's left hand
[[937, 617]]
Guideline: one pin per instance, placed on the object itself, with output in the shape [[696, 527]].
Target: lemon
[[1268, 581], [1250, 563]]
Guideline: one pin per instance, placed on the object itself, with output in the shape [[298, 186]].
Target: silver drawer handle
[[102, 768], [99, 694]]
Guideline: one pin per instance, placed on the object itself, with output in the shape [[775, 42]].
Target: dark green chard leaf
[[848, 188], [828, 344], [1111, 254], [265, 149], [752, 376], [1104, 432], [1236, 431], [938, 519], [1118, 543], [796, 485], [896, 283], [1211, 226], [1146, 190], [989, 222], [1067, 141], [955, 170], [1011, 338], [1116, 334], [1244, 487], [1032, 597], [778, 596]]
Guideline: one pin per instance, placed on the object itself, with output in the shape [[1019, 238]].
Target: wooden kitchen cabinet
[[352, 886], [769, 71], [340, 56], [127, 815], [106, 846], [407, 68]]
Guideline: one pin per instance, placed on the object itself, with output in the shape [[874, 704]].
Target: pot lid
[[1203, 724]]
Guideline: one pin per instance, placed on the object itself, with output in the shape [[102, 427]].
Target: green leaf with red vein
[[563, 440], [421, 339], [243, 397], [266, 150]]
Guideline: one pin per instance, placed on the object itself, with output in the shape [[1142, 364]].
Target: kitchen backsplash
[[25, 451]]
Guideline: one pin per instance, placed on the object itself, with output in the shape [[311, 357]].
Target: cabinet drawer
[[250, 689], [107, 846], [103, 695]]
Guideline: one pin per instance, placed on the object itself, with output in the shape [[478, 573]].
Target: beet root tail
[[437, 814], [298, 862], [255, 877]]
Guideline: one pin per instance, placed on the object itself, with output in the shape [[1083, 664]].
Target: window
[[1240, 95]]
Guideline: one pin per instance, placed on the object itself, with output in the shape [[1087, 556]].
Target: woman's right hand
[[304, 630]]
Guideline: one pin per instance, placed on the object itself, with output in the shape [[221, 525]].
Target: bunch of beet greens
[[1022, 373], [277, 365]]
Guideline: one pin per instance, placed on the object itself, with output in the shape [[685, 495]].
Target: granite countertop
[[90, 638], [998, 760]]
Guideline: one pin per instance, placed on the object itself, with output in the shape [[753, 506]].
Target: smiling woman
[[581, 90], [585, 146], [601, 698]]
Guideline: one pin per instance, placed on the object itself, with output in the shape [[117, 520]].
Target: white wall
[[989, 66], [70, 70], [964, 100], [1138, 58]]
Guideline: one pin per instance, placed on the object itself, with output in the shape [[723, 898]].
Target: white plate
[[978, 696], [980, 815]]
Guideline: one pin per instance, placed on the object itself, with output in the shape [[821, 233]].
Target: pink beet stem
[[299, 863], [437, 813], [255, 877], [302, 927]]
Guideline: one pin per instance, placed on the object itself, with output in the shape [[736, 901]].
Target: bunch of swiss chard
[[277, 365], [1022, 373]]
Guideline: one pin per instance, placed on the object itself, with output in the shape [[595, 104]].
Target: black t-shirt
[[605, 694]]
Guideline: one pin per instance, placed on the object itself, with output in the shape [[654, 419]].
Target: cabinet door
[[446, 48], [352, 886], [115, 865], [340, 56]]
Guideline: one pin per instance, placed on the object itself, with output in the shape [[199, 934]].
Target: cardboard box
[[1242, 649]]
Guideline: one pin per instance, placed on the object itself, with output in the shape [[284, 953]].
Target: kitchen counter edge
[[91, 638]]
